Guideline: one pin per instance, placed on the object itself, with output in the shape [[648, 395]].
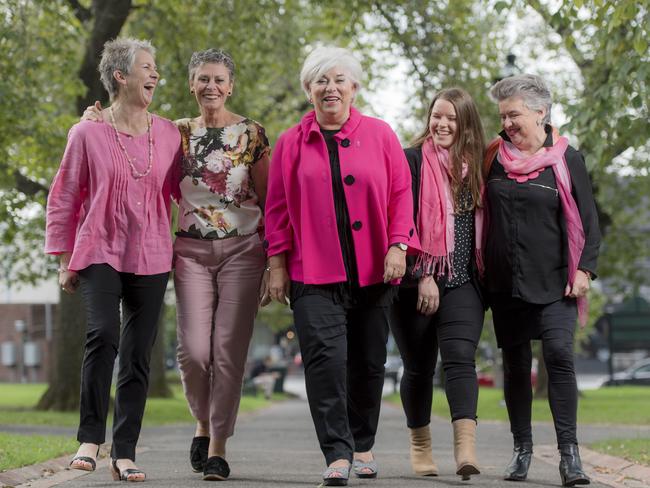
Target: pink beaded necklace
[[134, 172]]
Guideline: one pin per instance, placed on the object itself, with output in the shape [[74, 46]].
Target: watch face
[[402, 246]]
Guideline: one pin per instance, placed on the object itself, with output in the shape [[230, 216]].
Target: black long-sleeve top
[[463, 259], [526, 254]]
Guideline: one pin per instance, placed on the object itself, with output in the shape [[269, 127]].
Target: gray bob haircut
[[119, 55], [322, 59], [531, 88], [215, 56]]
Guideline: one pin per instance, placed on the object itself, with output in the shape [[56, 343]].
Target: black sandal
[[125, 473], [199, 453], [85, 459], [216, 469]]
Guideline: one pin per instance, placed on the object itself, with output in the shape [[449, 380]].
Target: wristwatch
[[401, 245]]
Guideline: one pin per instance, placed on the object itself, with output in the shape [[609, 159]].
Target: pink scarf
[[522, 168], [436, 214]]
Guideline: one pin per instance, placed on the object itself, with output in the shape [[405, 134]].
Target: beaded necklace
[[134, 172]]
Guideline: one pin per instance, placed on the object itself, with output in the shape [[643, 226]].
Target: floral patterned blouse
[[217, 195]]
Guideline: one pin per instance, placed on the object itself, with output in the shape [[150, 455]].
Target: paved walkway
[[276, 447]]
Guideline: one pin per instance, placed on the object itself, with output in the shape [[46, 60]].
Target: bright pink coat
[[299, 216], [101, 214]]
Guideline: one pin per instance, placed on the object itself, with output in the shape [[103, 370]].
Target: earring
[[192, 91], [311, 100], [229, 93]]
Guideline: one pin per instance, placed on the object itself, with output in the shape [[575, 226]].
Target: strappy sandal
[[199, 453], [124, 474], [84, 459], [365, 469], [216, 469], [336, 476]]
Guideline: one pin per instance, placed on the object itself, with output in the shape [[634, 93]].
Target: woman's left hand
[[394, 264], [580, 286], [265, 295]]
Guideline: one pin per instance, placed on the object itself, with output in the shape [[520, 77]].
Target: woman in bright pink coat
[[339, 222]]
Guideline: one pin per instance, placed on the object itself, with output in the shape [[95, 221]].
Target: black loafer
[[216, 469], [199, 453]]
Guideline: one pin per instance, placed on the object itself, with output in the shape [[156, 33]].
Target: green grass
[[635, 450], [17, 401], [20, 450], [617, 405]]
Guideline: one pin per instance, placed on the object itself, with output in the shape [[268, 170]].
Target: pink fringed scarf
[[436, 214], [519, 167]]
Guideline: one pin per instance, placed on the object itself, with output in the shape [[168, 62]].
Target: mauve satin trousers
[[217, 286]]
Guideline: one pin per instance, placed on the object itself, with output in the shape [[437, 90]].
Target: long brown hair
[[468, 145]]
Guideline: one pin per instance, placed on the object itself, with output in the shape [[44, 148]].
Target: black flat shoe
[[571, 470], [216, 469], [517, 469], [199, 453]]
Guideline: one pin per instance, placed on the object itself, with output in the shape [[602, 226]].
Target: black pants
[[103, 289], [556, 321], [344, 350], [455, 328]]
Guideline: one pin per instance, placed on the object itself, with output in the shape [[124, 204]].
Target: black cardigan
[[526, 251], [414, 158]]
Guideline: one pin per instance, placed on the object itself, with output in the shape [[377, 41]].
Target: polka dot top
[[463, 241]]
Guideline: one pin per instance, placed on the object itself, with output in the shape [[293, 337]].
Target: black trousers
[[556, 322], [343, 350], [141, 297], [455, 328]]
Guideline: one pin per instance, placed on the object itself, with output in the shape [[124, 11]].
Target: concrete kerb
[[608, 470], [52, 472]]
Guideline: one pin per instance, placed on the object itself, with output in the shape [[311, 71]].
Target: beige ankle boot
[[465, 448], [421, 455]]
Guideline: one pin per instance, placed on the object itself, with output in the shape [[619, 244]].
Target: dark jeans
[[455, 328], [344, 350], [141, 297], [557, 323]]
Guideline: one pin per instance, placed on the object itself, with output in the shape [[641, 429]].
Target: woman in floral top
[[219, 260]]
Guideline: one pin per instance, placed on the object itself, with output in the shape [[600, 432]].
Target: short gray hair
[[214, 56], [119, 55], [322, 59], [531, 88]]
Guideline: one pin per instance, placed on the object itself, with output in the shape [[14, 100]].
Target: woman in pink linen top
[[339, 221], [108, 218]]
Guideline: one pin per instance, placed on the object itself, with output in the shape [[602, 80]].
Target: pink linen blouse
[[300, 218], [100, 213]]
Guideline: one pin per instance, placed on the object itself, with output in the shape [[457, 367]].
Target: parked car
[[637, 374]]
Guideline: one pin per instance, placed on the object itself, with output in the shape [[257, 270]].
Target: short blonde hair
[[322, 59]]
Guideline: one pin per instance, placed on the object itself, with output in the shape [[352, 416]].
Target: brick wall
[[37, 331]]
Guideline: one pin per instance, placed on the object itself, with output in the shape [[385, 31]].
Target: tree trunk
[[110, 16], [69, 338], [158, 386], [63, 391], [541, 388]]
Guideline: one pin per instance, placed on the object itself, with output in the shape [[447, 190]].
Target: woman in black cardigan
[[439, 303], [540, 256]]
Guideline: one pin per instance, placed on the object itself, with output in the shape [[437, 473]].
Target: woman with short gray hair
[[219, 260], [339, 223], [540, 256], [108, 217]]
